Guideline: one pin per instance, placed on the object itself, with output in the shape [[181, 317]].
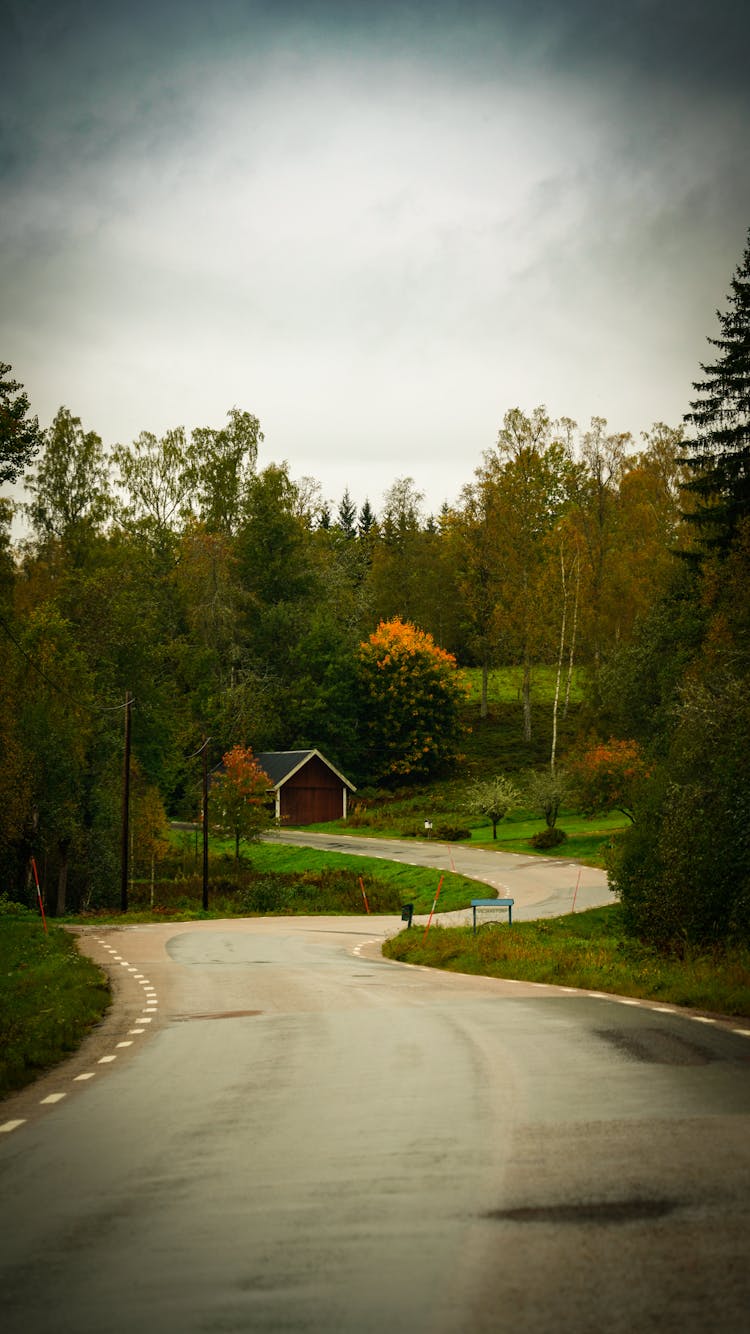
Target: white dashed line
[[124, 1044], [11, 1125], [135, 1030], [90, 1075], [144, 1019], [104, 1060], [53, 1097]]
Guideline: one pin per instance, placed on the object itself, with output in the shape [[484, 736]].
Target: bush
[[450, 833], [548, 838], [268, 894], [9, 908]]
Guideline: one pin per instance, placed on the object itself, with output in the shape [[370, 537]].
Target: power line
[[87, 708]]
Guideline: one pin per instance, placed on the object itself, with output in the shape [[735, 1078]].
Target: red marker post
[[39, 896], [364, 896], [432, 910]]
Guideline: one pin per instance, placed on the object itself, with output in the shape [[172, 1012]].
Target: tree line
[[235, 603]]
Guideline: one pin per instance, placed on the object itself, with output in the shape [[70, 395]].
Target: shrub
[[548, 838], [268, 894], [451, 833]]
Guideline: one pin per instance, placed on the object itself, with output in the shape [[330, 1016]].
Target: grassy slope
[[50, 996], [414, 884], [588, 950]]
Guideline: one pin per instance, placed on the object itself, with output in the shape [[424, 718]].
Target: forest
[[235, 603]]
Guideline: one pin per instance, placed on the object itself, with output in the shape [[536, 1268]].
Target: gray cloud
[[377, 233]]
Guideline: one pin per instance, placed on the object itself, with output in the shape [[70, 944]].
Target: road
[[541, 886], [277, 1130]]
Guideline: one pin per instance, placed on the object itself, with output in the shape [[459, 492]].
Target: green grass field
[[504, 685], [587, 840]]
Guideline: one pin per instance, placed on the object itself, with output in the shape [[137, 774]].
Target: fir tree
[[347, 515], [719, 453], [366, 520]]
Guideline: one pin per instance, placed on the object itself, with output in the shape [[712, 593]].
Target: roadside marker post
[[39, 895], [432, 910], [575, 896], [364, 896]]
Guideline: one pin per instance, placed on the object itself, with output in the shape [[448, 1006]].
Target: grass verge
[[588, 950], [276, 878], [50, 996]]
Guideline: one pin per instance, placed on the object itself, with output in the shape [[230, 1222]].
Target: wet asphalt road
[[541, 886], [301, 1136]]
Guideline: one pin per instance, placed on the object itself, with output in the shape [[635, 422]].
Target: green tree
[[70, 485], [346, 517], [224, 462], [20, 437], [684, 870], [594, 490], [56, 723], [472, 541], [148, 826], [366, 520], [545, 791], [492, 797], [718, 450], [159, 477], [523, 480], [411, 698]]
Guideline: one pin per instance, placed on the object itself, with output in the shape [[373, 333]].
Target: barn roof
[[280, 765]]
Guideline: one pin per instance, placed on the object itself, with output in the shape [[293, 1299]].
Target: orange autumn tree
[[411, 696], [609, 776], [239, 797]]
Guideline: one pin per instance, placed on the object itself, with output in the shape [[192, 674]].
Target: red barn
[[307, 788]]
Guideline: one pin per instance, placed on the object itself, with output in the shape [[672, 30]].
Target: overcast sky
[[377, 227]]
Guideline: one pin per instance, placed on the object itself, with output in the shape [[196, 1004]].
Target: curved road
[[276, 1129], [541, 886]]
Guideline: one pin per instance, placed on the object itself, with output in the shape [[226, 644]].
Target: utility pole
[[205, 823], [125, 808]]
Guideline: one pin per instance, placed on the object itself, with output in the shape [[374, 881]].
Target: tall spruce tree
[[347, 515], [718, 452]]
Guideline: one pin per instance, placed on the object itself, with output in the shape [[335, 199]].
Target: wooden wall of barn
[[312, 794]]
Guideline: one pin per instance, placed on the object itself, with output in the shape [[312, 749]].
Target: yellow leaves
[[414, 692]]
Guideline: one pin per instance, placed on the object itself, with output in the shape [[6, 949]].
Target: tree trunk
[[556, 700], [526, 695], [62, 876], [573, 637]]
